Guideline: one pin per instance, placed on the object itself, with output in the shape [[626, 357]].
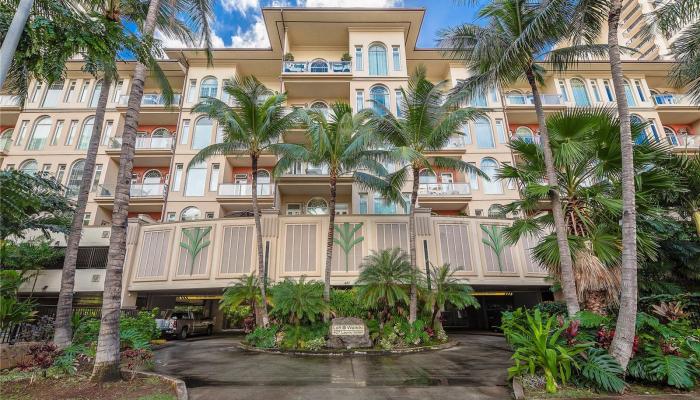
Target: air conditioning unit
[[95, 277]]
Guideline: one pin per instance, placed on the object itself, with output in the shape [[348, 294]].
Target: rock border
[[351, 352], [178, 384]]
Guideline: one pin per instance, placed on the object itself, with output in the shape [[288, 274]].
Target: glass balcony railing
[[146, 142], [670, 99], [316, 67], [244, 189], [528, 100], [683, 141], [302, 169], [151, 100], [444, 189], [154, 190], [455, 142]]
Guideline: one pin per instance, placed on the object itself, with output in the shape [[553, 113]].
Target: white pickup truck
[[181, 324]]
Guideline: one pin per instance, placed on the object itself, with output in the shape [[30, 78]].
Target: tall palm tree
[[194, 14], [115, 14], [586, 147], [340, 142], [251, 128], [517, 34], [424, 125]]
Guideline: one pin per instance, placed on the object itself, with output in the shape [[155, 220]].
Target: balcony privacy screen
[[390, 235], [236, 255], [454, 246], [531, 265], [153, 255], [300, 250]]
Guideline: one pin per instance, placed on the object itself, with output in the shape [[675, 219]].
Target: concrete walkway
[[214, 368]]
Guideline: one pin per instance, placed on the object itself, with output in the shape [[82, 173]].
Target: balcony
[[245, 190], [308, 67], [670, 99], [146, 143], [683, 142], [151, 100], [444, 189], [136, 191], [306, 169], [528, 100]]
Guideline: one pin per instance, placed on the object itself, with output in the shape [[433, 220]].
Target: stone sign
[[348, 333]]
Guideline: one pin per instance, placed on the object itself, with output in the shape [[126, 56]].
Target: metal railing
[[155, 190], [146, 142], [330, 67], [444, 189], [89, 257], [527, 100], [669, 99], [245, 189]]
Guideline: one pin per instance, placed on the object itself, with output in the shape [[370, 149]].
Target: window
[[479, 99], [671, 137], [382, 205], [380, 99], [75, 177], [86, 133], [208, 88], [37, 90], [640, 90], [190, 214], [107, 133], [40, 134], [57, 132], [320, 66], [10, 167], [377, 60], [525, 134], [484, 136], [263, 178], [96, 94], [342, 209], [294, 209], [642, 137], [225, 97], [22, 132], [152, 177], [358, 58], [53, 94], [359, 100], [96, 177], [70, 91], [396, 56], [629, 94], [654, 131], [196, 180], [72, 128], [562, 90], [191, 91], [362, 203], [466, 134], [202, 133], [489, 167], [60, 172], [219, 134], [426, 177], [118, 91], [45, 169], [29, 167], [209, 215], [170, 217], [317, 206], [399, 102], [596, 91], [177, 178], [500, 131], [214, 178], [83, 91], [580, 93], [185, 133], [86, 218]]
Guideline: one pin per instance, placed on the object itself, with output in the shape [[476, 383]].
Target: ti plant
[[346, 239], [196, 242], [494, 239]]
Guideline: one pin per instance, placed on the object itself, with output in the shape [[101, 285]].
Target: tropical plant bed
[[633, 391], [350, 352], [80, 387]]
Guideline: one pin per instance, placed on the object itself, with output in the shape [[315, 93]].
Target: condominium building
[[168, 196]]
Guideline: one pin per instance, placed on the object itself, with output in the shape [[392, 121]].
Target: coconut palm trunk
[[63, 330], [262, 308], [329, 241], [413, 294], [14, 34], [568, 281], [106, 366], [621, 347]]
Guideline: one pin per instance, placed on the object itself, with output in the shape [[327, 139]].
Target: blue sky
[[239, 24]]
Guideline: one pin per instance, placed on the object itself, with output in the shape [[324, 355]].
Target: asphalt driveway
[[214, 368]]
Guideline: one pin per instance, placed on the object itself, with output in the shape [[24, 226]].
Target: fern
[[603, 371]]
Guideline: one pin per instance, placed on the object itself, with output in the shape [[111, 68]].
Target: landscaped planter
[[350, 352]]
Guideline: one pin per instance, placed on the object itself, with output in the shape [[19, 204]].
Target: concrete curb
[[354, 352], [178, 384]]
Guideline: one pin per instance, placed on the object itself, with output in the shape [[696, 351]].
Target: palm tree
[[517, 34], [245, 291], [586, 147], [340, 142], [299, 300], [195, 15], [447, 289], [250, 129], [383, 281], [424, 125]]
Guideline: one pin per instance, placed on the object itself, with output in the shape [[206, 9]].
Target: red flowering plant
[[40, 357]]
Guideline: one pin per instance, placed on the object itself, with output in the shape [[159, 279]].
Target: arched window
[[380, 99], [628, 93], [636, 119], [208, 88], [75, 176], [6, 139], [377, 60], [40, 134], [29, 167], [202, 133], [516, 97], [525, 134], [96, 94], [152, 177], [264, 187], [160, 132], [484, 135], [317, 206], [426, 176], [319, 105], [671, 137], [489, 167], [190, 214], [319, 65], [496, 211], [86, 133], [580, 94]]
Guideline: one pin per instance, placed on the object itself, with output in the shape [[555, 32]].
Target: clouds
[[242, 6], [255, 36]]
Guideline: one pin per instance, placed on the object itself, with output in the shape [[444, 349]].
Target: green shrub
[[144, 323], [345, 303], [135, 332], [552, 308], [298, 301], [263, 338], [297, 336], [315, 344]]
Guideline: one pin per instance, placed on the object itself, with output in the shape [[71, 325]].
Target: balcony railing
[[245, 189], [301, 169], [527, 100], [683, 141], [444, 189], [151, 100], [331, 67], [146, 142], [668, 99], [7, 100], [150, 190], [455, 142]]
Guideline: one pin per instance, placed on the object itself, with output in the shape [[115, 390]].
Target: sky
[[238, 23]]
